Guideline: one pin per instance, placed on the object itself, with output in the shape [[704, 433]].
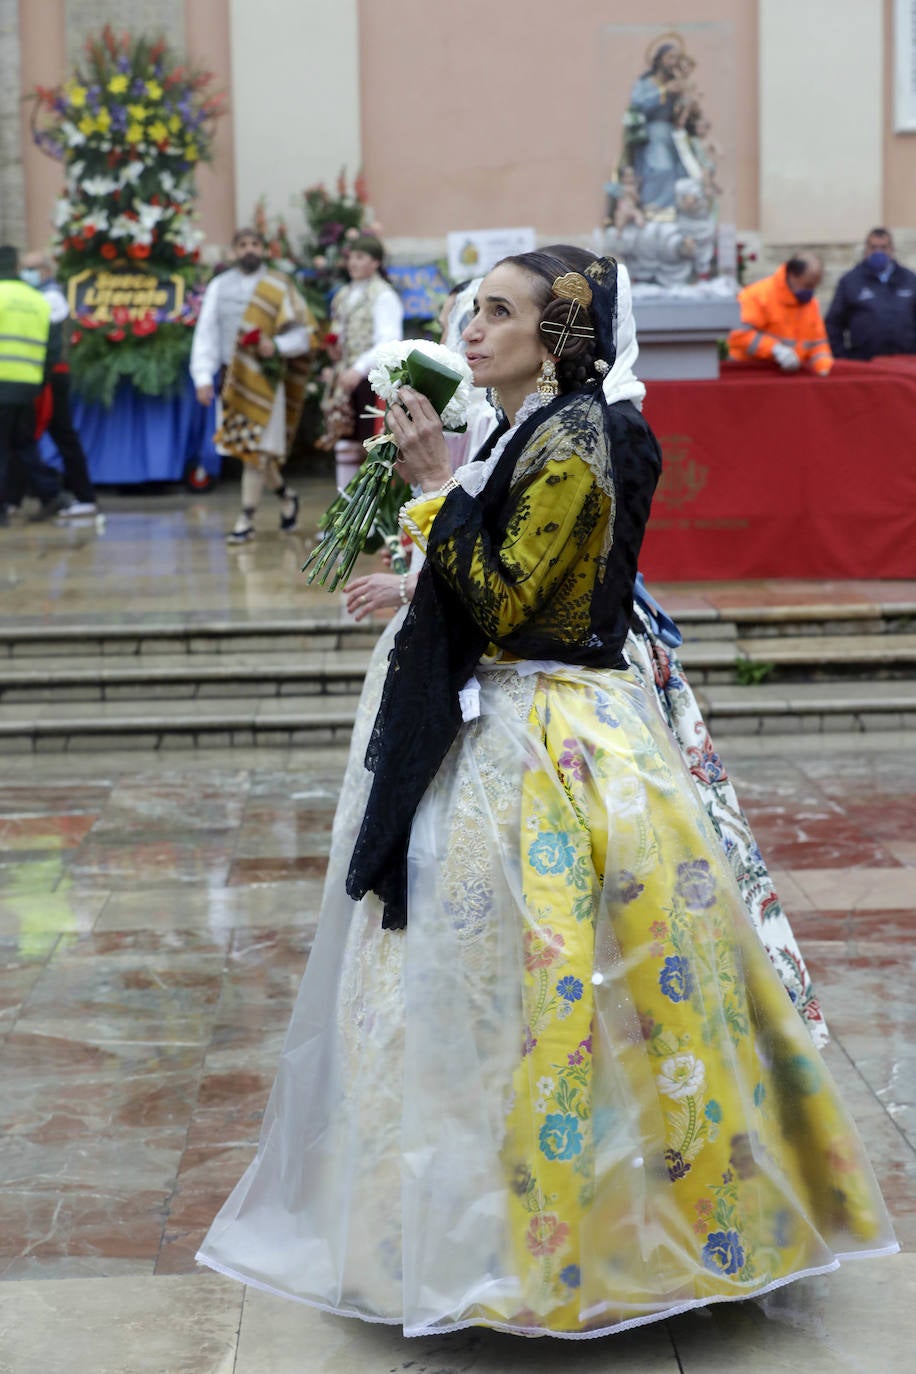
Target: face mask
[[249, 262], [31, 276], [803, 297], [878, 261]]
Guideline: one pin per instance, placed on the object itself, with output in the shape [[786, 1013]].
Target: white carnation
[[63, 212], [150, 215], [387, 376]]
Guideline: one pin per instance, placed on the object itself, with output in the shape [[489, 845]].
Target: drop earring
[[548, 387]]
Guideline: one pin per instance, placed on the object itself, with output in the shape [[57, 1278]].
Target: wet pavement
[[156, 913]]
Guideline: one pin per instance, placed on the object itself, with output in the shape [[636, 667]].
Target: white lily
[[100, 186]]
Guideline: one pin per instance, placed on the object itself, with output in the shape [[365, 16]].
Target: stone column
[[12, 179], [821, 120], [295, 99]]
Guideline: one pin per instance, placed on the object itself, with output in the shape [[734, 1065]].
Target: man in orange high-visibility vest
[[781, 321]]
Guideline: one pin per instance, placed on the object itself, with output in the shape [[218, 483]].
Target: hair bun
[[567, 329]]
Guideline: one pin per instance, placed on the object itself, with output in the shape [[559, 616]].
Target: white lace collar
[[473, 476]]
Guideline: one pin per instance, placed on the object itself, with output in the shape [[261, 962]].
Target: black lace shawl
[[445, 631]]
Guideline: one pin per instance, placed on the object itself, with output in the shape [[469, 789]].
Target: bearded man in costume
[[255, 331]]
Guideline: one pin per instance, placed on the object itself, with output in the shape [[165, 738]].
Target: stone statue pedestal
[[679, 339]]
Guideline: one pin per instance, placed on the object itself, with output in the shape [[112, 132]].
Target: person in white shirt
[[232, 300], [365, 314]]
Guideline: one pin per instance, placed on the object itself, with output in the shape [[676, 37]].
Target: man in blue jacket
[[873, 311]]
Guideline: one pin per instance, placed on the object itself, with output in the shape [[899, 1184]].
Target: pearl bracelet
[[402, 590]]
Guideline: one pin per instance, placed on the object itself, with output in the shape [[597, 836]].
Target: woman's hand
[[417, 431], [376, 592]]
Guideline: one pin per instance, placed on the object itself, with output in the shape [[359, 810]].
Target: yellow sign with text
[[99, 294]]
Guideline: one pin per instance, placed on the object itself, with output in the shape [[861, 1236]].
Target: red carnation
[[76, 336], [117, 335], [120, 314], [109, 251], [138, 250], [144, 327]]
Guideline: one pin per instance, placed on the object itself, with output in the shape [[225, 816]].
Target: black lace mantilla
[[448, 628]]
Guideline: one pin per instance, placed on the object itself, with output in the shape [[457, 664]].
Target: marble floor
[[156, 913], [162, 556]]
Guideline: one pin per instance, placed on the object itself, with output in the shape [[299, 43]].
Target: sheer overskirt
[[573, 1094]]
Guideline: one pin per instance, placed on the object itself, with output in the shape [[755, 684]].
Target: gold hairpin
[[572, 286]]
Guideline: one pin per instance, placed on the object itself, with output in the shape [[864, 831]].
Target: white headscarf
[[481, 415], [459, 318], [621, 383]]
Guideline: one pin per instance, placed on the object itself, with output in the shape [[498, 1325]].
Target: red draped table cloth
[[769, 474]]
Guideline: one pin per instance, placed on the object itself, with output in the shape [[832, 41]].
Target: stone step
[[159, 677], [312, 720], [81, 673], [777, 622], [808, 707], [272, 633], [53, 727], [801, 658], [267, 635]]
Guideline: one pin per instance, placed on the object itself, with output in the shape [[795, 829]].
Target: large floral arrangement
[[130, 127], [332, 220]]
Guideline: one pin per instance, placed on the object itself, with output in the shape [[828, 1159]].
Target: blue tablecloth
[[143, 438]]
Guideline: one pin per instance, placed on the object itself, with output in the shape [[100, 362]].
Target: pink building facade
[[493, 113]]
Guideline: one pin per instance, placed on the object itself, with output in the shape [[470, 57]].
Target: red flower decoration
[[117, 335], [138, 250], [251, 339], [142, 328], [120, 314], [109, 251], [76, 336]]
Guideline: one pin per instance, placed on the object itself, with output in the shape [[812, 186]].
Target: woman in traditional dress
[[541, 1075], [651, 649]]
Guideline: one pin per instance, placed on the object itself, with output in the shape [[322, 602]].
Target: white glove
[[787, 358]]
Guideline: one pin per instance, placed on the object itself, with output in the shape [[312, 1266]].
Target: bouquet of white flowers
[[357, 515]]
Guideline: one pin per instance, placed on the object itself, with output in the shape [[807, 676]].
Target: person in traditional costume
[[254, 330], [651, 648], [541, 1075], [365, 314]]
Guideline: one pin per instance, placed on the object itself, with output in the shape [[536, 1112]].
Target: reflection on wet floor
[[156, 913], [154, 924]]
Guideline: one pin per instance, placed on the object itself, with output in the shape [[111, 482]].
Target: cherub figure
[[627, 209]]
